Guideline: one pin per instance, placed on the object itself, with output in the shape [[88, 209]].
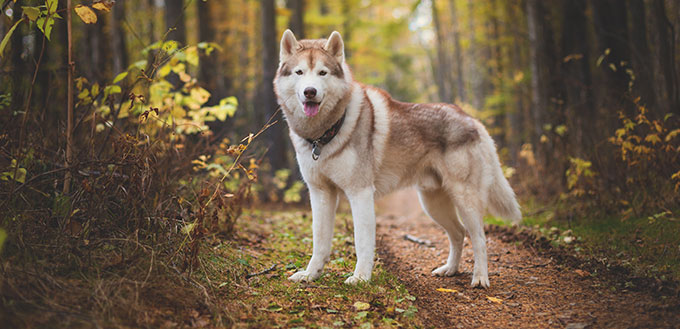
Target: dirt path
[[533, 288]]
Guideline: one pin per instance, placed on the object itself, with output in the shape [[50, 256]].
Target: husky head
[[313, 80]]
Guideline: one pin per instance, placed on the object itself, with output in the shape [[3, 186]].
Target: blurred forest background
[[157, 118]]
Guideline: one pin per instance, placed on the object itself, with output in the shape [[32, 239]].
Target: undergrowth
[[150, 185]]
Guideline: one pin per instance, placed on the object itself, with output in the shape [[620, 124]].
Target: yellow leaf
[[653, 138], [105, 6], [86, 14], [495, 300], [672, 134], [447, 290], [361, 306]]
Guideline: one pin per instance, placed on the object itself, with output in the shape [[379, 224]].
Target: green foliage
[[3, 237], [579, 173], [294, 193], [14, 172], [5, 40]]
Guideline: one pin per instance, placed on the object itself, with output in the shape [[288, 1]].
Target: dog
[[355, 139]]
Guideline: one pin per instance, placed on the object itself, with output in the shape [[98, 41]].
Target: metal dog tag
[[316, 150]]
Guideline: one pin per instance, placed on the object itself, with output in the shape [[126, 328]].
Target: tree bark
[[210, 69], [118, 43], [174, 21], [442, 69], [579, 109], [275, 138], [667, 87], [17, 62], [69, 103], [611, 31], [641, 54], [539, 97], [457, 51], [297, 22]]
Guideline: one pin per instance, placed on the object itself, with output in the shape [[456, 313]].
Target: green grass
[[647, 245], [270, 300]]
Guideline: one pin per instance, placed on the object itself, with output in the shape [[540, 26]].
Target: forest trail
[[529, 288]]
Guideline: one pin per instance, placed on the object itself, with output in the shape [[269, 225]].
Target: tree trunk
[[346, 26], [96, 49], [667, 88], [119, 46], [514, 134], [210, 69], [496, 73], [539, 97], [457, 51], [579, 108], [275, 138], [641, 54], [442, 64], [17, 62], [174, 21], [297, 22], [611, 31]]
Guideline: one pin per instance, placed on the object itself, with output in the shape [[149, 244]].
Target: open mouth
[[311, 108]]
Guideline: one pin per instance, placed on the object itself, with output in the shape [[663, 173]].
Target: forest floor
[[241, 282], [533, 284]]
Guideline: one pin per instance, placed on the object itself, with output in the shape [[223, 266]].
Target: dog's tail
[[502, 201]]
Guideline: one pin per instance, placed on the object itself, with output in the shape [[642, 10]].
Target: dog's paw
[[481, 281], [446, 270], [305, 276], [354, 279]]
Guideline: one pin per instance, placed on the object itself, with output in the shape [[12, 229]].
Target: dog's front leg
[[324, 202], [363, 214]]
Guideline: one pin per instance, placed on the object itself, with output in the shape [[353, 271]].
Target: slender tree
[[174, 21], [275, 137], [118, 44], [611, 30], [442, 68], [297, 22], [579, 109], [210, 70], [457, 51], [667, 87]]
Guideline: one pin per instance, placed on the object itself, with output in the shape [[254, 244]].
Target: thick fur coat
[[384, 145]]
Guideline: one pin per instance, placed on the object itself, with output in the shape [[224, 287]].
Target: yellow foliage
[[86, 14]]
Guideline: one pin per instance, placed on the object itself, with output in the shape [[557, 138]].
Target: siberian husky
[[356, 139]]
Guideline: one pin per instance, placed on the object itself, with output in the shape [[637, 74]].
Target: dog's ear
[[335, 46], [288, 45]]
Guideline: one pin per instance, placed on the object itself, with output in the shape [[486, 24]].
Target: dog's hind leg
[[471, 216], [439, 206]]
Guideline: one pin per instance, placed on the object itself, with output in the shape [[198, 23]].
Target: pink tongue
[[311, 109]]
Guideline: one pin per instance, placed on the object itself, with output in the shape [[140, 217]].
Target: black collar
[[326, 138]]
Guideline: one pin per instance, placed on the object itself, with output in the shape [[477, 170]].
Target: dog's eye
[[322, 73], [298, 72]]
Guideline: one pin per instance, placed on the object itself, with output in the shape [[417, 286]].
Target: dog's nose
[[310, 92]]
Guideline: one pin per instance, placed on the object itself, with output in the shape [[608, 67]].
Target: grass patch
[[284, 239], [648, 246]]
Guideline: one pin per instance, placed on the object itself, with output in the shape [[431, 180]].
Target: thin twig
[[417, 240], [248, 276]]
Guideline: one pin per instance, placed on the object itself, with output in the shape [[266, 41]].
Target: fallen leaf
[[495, 300], [447, 290], [582, 273], [361, 306]]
